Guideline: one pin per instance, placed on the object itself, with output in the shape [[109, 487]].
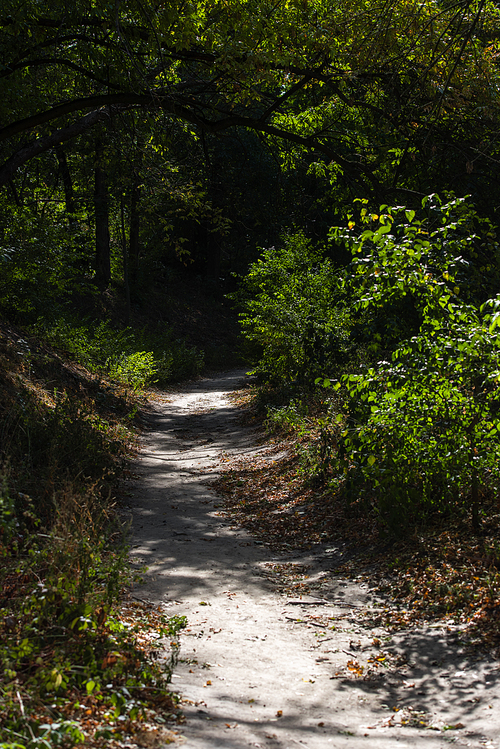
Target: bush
[[136, 358], [292, 312], [421, 432], [137, 369]]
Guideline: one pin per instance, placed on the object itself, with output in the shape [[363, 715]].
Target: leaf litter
[[440, 574]]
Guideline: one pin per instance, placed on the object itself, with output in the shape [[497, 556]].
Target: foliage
[[435, 571], [366, 87], [313, 102], [52, 439], [448, 249], [421, 431], [121, 352], [66, 638], [42, 261], [289, 309], [289, 418], [7, 511], [69, 647], [137, 369]]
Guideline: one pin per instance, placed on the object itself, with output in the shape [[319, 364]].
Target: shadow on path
[[246, 656]]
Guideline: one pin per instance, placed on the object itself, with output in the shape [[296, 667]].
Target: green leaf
[[90, 686]]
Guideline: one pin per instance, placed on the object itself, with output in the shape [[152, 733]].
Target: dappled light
[[249, 355]]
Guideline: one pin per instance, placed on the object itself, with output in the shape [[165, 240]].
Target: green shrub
[[292, 312], [289, 418], [421, 432], [137, 369], [133, 357]]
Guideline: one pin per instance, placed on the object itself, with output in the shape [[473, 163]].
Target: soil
[[259, 668]]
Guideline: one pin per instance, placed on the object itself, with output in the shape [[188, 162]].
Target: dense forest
[[326, 172]]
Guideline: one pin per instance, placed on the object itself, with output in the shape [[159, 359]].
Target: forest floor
[[282, 647]]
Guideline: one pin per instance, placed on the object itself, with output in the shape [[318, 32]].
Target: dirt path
[[258, 670]]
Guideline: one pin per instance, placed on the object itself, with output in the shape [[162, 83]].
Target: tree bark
[[125, 258], [69, 195], [134, 234], [101, 207]]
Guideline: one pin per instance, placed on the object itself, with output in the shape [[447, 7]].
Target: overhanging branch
[[181, 108], [40, 145]]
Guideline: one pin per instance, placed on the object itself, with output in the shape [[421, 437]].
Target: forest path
[[257, 670]]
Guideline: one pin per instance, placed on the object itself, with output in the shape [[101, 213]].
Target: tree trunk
[[15, 193], [134, 234], [101, 206], [126, 283], [69, 195]]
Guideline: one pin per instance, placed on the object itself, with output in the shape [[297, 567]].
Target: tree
[[365, 88]]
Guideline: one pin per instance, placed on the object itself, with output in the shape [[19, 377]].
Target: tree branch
[[10, 69], [49, 141], [179, 108], [68, 107]]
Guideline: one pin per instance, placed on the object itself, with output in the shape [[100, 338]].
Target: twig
[[304, 621], [20, 703], [321, 602]]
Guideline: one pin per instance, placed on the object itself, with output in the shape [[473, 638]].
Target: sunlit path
[[253, 673]]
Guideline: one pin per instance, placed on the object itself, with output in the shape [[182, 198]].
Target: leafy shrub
[[135, 358], [291, 310], [421, 431], [289, 418], [175, 359], [7, 512], [137, 369], [187, 361]]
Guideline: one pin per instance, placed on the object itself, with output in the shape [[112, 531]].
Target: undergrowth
[[136, 358], [439, 568], [78, 662]]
